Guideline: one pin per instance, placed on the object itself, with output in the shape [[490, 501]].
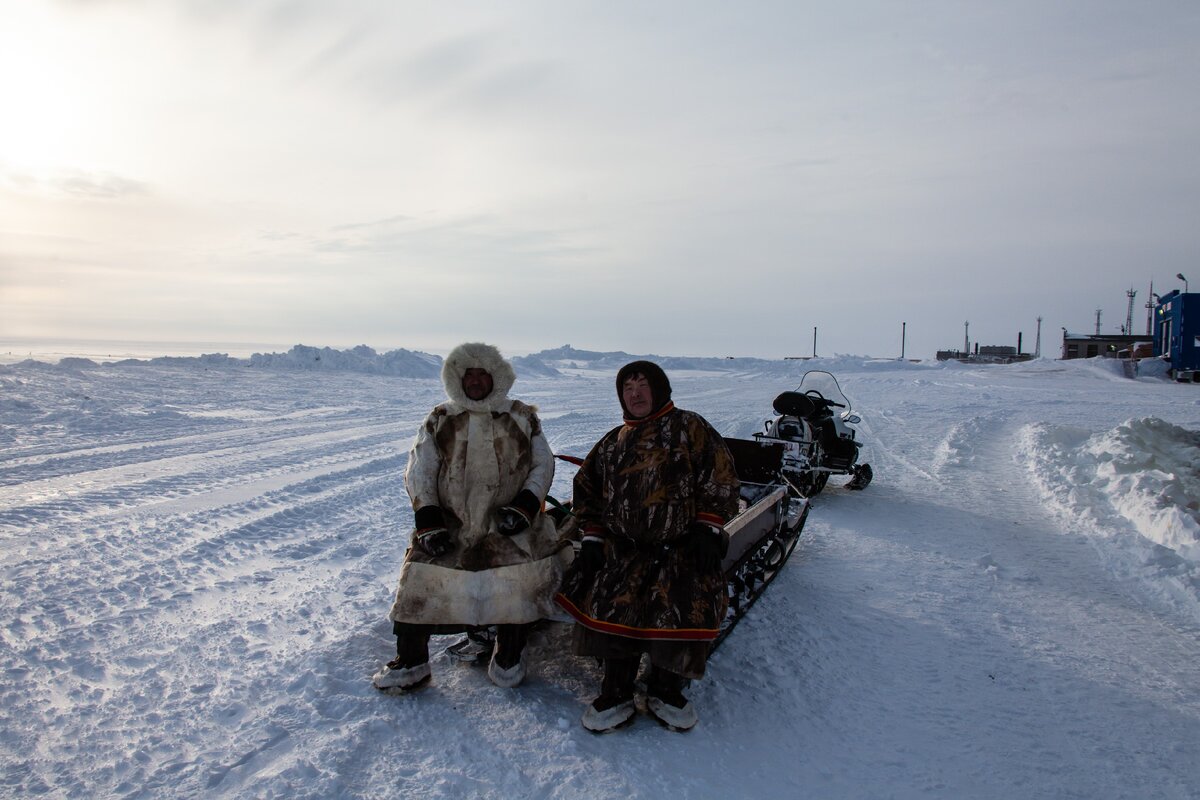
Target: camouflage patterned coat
[[641, 488]]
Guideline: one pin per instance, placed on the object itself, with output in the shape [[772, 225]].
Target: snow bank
[[568, 359], [205, 360], [565, 360], [1141, 476], [528, 366], [401, 363], [1153, 369], [74, 362]]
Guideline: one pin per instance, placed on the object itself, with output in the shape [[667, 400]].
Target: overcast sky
[[684, 178]]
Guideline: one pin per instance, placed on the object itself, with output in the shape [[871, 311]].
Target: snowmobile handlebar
[[820, 397]]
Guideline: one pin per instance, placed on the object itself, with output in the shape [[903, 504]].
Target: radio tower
[[1129, 312], [1098, 311], [1150, 310]]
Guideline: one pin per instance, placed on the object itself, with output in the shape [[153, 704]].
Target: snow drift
[[1142, 477]]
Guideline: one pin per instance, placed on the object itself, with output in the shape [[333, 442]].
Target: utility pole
[[1037, 344], [814, 341], [1150, 311], [903, 333]]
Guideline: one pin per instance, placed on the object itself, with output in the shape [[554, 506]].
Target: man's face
[[637, 396], [477, 383]]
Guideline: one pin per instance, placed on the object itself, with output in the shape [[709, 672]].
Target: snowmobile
[[818, 440], [761, 537]]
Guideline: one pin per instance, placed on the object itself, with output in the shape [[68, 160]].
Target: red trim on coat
[[666, 634], [710, 519]]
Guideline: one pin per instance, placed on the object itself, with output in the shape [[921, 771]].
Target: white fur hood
[[481, 356]]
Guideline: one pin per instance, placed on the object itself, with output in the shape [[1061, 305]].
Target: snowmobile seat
[[794, 404]]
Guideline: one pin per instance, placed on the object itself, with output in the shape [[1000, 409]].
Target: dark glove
[[517, 515], [591, 556], [431, 534], [435, 541], [708, 546]]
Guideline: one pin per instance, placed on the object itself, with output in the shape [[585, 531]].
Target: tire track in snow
[[187, 603], [99, 492], [67, 459], [881, 446], [160, 554]]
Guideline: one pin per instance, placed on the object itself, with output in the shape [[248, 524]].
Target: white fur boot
[[394, 676], [507, 678]]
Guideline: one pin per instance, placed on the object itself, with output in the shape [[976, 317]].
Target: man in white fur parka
[[482, 552]]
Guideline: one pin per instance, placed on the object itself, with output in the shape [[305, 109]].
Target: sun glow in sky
[[685, 178], [40, 118]]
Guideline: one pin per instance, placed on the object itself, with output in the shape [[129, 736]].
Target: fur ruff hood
[[477, 355]]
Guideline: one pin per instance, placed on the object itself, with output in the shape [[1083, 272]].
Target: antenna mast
[[1037, 345], [1150, 310], [1132, 293], [1098, 311]]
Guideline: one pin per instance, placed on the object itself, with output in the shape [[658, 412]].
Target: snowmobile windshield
[[824, 384]]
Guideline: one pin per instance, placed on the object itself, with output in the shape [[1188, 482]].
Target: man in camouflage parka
[[651, 499]]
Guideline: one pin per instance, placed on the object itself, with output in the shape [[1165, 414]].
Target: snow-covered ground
[[197, 559]]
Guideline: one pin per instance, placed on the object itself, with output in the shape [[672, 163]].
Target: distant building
[[1177, 333], [1087, 345], [986, 354]]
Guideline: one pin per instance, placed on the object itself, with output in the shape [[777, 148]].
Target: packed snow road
[[197, 563]]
